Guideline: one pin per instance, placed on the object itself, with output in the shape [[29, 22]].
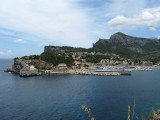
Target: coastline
[[24, 69]]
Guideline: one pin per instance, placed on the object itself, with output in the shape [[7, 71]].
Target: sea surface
[[59, 97]]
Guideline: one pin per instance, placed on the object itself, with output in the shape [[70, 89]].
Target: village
[[110, 66], [57, 61], [114, 66]]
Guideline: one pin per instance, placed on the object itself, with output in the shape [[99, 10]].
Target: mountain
[[56, 50], [119, 43], [126, 45]]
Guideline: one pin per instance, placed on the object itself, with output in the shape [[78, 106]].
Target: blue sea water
[[59, 97]]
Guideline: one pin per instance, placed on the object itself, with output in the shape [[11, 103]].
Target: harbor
[[25, 69], [101, 71]]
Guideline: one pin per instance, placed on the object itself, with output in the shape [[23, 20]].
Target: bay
[[59, 97]]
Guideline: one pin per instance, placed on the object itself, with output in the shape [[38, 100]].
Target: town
[[54, 60]]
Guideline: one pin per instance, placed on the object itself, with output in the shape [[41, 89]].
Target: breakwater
[[87, 72]]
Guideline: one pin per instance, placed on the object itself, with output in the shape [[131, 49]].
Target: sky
[[26, 26]]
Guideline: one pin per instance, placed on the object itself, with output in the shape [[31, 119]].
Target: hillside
[[125, 45], [119, 43]]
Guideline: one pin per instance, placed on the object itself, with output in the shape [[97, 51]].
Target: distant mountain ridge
[[120, 43]]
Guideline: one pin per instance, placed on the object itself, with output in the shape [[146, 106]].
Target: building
[[77, 62], [145, 63], [32, 67], [83, 60], [62, 66], [103, 62]]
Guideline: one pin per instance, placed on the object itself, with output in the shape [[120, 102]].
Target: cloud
[[20, 41], [148, 17], [6, 53], [5, 32], [152, 29], [124, 7], [62, 21]]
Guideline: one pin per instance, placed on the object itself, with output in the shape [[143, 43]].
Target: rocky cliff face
[[129, 40], [53, 50], [40, 64], [26, 72], [18, 65], [22, 69], [120, 43]]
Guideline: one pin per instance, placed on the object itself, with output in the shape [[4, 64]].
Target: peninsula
[[118, 55]]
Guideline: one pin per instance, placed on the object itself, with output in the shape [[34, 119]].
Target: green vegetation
[[71, 49], [43, 68], [152, 57], [119, 49], [55, 59], [31, 57], [95, 58], [86, 65], [129, 48]]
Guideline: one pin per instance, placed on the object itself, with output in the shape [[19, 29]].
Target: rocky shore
[[87, 72], [21, 68], [25, 69]]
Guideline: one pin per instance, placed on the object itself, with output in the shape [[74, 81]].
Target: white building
[[32, 67]]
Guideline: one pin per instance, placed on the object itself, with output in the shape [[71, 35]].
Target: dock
[[87, 72]]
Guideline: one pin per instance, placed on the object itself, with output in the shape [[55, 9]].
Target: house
[[99, 53], [77, 62], [32, 67], [83, 60], [92, 53], [125, 62], [103, 62], [146, 63], [62, 66]]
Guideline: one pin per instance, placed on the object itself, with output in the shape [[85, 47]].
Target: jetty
[[88, 72]]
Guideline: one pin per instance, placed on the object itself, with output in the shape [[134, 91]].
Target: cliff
[[119, 43], [53, 50], [61, 50], [122, 44], [23, 69]]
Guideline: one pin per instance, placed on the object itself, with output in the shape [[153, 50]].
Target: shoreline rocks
[[8, 70], [26, 72], [23, 69]]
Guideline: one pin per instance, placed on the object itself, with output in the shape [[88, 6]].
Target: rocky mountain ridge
[[120, 43]]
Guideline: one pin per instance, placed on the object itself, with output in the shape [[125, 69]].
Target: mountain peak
[[118, 37], [125, 44], [119, 33]]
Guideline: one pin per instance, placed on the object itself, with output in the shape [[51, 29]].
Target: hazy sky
[[26, 26]]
